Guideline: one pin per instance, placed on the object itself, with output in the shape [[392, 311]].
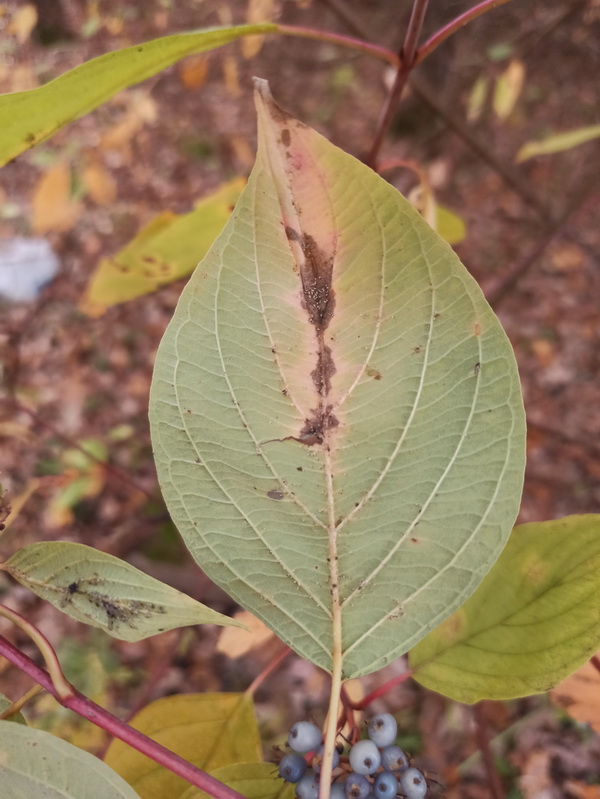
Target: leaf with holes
[[335, 410]]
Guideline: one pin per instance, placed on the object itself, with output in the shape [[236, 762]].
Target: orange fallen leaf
[[99, 184], [235, 642], [193, 71], [579, 695], [23, 22], [53, 208], [258, 11]]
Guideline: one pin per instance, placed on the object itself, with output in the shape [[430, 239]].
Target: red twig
[[407, 62], [270, 667], [381, 690], [481, 733], [89, 710], [444, 33], [339, 38]]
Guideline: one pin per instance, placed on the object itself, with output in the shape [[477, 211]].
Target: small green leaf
[[5, 703], [106, 592], [450, 226], [557, 142], [30, 117], [167, 249], [36, 764], [534, 619], [508, 89], [209, 730], [252, 780]]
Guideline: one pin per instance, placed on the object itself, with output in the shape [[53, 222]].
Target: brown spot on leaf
[[374, 373], [476, 328], [285, 137], [292, 234], [273, 494]]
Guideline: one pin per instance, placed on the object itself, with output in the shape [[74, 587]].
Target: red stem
[[483, 741], [89, 710], [339, 38], [270, 667], [381, 691], [407, 62], [444, 33]]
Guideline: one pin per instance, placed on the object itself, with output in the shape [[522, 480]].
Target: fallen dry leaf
[[53, 208], [193, 71], [579, 695], [99, 184], [23, 22], [235, 642], [258, 11]]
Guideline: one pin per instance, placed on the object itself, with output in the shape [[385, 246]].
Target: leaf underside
[[532, 621], [335, 410]]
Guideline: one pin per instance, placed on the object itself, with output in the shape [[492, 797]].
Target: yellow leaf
[[258, 11], [167, 249], [449, 225], [209, 730], [235, 642], [99, 184], [557, 142], [508, 88], [23, 22], [53, 209], [477, 99]]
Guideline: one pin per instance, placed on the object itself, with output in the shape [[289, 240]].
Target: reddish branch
[[89, 710], [483, 741]]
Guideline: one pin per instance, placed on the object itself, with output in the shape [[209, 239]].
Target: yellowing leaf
[[53, 208], [449, 226], [557, 142], [167, 249], [106, 592], [209, 730], [252, 780], [30, 117], [579, 695], [477, 99], [234, 643], [508, 88], [534, 619]]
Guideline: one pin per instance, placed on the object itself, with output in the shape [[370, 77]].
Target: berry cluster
[[374, 768]]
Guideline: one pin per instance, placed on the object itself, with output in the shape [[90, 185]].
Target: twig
[[444, 33], [89, 710], [381, 690], [481, 733], [344, 41], [497, 290], [16, 706], [270, 667], [120, 475], [407, 56]]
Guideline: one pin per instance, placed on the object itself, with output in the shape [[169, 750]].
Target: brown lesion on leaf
[[286, 139]]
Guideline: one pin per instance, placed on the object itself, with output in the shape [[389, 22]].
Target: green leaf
[[557, 142], [335, 409], [209, 730], [106, 592], [533, 620], [167, 249], [252, 780], [30, 117], [5, 703], [35, 763]]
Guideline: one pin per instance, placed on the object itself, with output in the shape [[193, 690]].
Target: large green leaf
[[209, 730], [533, 620], [336, 414], [36, 765], [30, 117], [106, 592]]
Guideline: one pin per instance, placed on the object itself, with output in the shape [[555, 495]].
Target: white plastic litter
[[26, 266]]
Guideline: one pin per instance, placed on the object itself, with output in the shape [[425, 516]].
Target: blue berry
[[365, 757], [308, 786], [304, 736], [383, 729], [413, 783], [357, 786], [385, 785], [292, 767], [393, 758], [338, 791], [318, 759]]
